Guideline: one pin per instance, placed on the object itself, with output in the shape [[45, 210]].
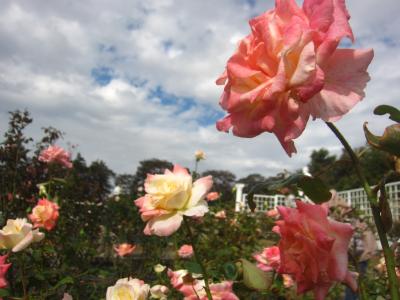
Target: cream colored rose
[[199, 155], [169, 197], [18, 234], [158, 268], [159, 292], [128, 288]]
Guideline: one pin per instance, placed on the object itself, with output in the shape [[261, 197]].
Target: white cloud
[[50, 48]]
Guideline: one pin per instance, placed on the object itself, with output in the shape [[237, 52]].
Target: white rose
[[18, 234], [128, 288]]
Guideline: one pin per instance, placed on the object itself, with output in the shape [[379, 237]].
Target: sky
[[129, 80]]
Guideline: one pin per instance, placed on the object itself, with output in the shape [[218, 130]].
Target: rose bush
[[289, 68]]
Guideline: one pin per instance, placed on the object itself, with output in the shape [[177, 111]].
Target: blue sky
[[129, 80]]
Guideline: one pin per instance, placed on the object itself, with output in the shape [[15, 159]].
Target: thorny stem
[[197, 257], [387, 251]]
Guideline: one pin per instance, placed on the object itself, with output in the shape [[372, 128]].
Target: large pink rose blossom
[[269, 259], [186, 251], [169, 197], [56, 154], [3, 271], [313, 248], [44, 214], [289, 68]]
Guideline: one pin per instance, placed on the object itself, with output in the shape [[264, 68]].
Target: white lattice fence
[[355, 198]]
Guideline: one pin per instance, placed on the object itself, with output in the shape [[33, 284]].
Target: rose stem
[[387, 251], [196, 255]]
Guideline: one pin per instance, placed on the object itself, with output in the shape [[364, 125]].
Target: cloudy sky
[[131, 79]]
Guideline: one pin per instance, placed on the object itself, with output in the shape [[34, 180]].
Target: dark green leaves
[[230, 271], [394, 113], [313, 187], [389, 141], [193, 267]]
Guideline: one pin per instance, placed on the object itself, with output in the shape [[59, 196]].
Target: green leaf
[[315, 189], [388, 142], [394, 113], [193, 267], [230, 271], [64, 281], [250, 201], [254, 278], [4, 293]]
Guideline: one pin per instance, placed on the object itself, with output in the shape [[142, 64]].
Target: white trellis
[[355, 198]]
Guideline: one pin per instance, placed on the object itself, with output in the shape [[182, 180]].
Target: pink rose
[[124, 249], [212, 196], [269, 259], [272, 213], [221, 214], [276, 229], [313, 248], [186, 251], [44, 214], [56, 154], [3, 271], [219, 291], [177, 278], [288, 69], [169, 197]]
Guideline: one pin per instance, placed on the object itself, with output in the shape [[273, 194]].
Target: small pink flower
[[221, 214], [124, 249], [288, 70], [177, 278], [56, 154], [44, 214], [269, 259], [272, 213], [313, 248], [67, 297], [169, 197], [212, 196], [186, 251], [3, 271], [276, 229]]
